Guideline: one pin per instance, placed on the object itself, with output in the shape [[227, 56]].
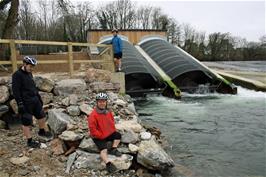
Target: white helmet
[[101, 96], [30, 60]]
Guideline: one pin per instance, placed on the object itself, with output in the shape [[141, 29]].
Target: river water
[[212, 135]]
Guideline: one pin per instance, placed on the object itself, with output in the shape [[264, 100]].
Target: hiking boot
[[33, 144], [111, 168], [115, 152]]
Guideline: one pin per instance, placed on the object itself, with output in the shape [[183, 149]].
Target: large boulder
[[57, 120], [44, 84], [89, 160], [129, 137], [46, 97], [93, 75], [4, 94], [152, 156], [85, 108], [3, 109], [127, 125], [104, 86], [73, 110], [70, 86], [70, 136], [121, 163], [88, 145]]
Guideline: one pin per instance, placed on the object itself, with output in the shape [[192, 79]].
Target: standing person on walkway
[[117, 48], [102, 129], [29, 101]]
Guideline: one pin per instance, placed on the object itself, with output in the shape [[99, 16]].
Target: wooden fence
[[106, 59]]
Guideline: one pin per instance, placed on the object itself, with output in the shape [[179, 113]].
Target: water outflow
[[212, 134]]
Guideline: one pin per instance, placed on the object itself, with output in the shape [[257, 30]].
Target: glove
[[21, 109]]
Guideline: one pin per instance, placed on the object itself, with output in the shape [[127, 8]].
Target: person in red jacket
[[102, 129]]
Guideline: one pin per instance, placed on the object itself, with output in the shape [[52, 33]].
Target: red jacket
[[101, 125]]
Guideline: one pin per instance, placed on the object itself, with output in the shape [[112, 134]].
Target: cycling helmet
[[101, 96], [30, 60]]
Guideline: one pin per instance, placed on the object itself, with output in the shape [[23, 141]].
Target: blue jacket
[[117, 44]]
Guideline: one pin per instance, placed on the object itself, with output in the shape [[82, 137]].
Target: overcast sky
[[240, 18]]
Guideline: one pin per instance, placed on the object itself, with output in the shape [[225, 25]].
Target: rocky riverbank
[[72, 152]]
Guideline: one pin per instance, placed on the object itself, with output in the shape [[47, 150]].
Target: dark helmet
[[101, 96], [30, 60]]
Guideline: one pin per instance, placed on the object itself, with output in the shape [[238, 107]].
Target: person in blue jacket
[[117, 48]]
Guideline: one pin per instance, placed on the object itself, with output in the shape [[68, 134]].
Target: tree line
[[61, 20]]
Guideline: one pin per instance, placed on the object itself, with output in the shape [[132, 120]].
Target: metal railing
[[13, 57]]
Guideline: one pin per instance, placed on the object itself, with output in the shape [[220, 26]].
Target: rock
[[70, 161], [3, 109], [89, 160], [120, 103], [19, 160], [4, 80], [2, 124], [43, 146], [125, 125], [112, 96], [70, 136], [57, 146], [4, 94], [131, 107], [73, 110], [129, 137], [93, 75], [70, 86], [66, 101], [121, 163], [57, 120], [14, 106], [44, 84], [88, 145], [103, 86], [2, 174], [145, 135], [85, 108], [24, 172], [133, 148], [73, 99], [153, 157], [46, 97]]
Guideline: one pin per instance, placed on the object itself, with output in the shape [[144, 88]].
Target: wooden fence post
[[13, 55], [70, 59]]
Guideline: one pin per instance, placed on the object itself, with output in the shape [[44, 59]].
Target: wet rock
[[57, 146], [131, 107], [73, 99], [129, 137], [70, 136], [103, 86], [85, 108], [2, 124], [133, 148], [57, 120], [3, 109], [46, 97], [153, 157], [44, 84], [145, 135], [4, 94], [19, 160], [70, 86], [93, 75], [66, 101], [126, 125], [88, 145], [73, 110], [70, 161], [89, 160], [14, 106]]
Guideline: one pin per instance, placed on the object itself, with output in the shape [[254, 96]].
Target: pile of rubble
[[68, 102]]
